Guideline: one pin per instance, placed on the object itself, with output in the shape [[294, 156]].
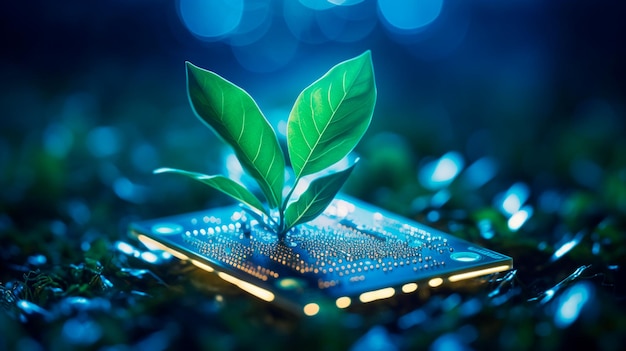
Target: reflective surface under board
[[354, 253]]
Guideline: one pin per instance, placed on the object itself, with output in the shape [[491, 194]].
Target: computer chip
[[354, 253]]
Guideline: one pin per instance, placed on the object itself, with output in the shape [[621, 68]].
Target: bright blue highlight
[[520, 217], [514, 198], [571, 303], [440, 173]]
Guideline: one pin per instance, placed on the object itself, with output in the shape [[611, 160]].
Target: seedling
[[326, 122]]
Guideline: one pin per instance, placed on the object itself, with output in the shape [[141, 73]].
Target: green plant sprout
[[327, 121]]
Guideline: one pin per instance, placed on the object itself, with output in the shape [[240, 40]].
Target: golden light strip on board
[[409, 288], [311, 309], [343, 302], [155, 245], [435, 282], [478, 273], [261, 293], [202, 266], [376, 295]]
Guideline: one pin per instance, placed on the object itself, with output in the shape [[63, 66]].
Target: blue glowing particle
[[571, 303]]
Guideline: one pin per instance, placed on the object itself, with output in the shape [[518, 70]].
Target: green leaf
[[237, 119], [331, 115], [316, 198], [223, 184]]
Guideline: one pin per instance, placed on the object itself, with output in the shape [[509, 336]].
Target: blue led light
[[167, 228], [465, 256]]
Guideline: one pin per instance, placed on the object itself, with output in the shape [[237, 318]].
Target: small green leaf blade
[[331, 115], [223, 184], [236, 118], [316, 198]]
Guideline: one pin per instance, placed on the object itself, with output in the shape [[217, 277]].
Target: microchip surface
[[352, 253]]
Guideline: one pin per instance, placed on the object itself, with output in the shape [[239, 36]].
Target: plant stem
[[282, 230]]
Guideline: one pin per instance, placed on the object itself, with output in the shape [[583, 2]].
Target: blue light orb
[[512, 201], [571, 304], [409, 15], [440, 173], [517, 220], [211, 18], [255, 22]]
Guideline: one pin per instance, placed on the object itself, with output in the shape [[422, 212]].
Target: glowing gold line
[[478, 273]]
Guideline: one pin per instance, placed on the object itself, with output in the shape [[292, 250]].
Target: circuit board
[[354, 253]]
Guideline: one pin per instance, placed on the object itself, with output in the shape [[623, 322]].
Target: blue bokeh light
[[567, 245], [58, 140], [513, 199], [211, 18], [571, 304], [104, 141], [480, 172], [440, 173], [517, 220], [79, 331], [409, 15], [256, 20]]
